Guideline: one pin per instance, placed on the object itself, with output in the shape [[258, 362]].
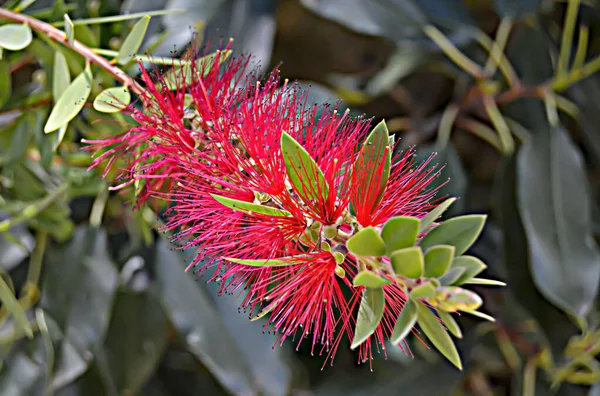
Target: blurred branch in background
[[506, 92]]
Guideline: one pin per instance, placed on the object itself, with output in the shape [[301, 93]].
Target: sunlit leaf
[[453, 274], [369, 315], [133, 41], [461, 232], [400, 232], [437, 260], [69, 29], [71, 101], [450, 324], [302, 170], [408, 262], [405, 322], [245, 207], [481, 281], [425, 290], [369, 279], [436, 333], [15, 37], [112, 100], [60, 76], [435, 213], [366, 242], [472, 266], [179, 75]]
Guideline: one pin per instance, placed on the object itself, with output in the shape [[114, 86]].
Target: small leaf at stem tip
[[408, 262], [369, 279], [69, 29], [264, 312], [15, 37], [481, 281], [340, 271], [245, 207], [366, 243], [460, 232], [61, 78], [112, 100], [270, 262], [373, 165], [405, 322], [450, 324], [437, 334], [303, 172], [432, 216], [369, 315], [71, 101], [133, 41], [400, 232], [438, 260], [472, 266], [426, 290]]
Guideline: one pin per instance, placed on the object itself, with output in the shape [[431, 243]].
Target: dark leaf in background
[[529, 54], [516, 9], [554, 323], [78, 289], [586, 95], [553, 198], [13, 254]]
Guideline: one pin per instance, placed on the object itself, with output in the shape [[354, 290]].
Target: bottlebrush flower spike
[[293, 206]]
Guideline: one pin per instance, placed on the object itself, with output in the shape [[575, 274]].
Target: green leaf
[[450, 323], [15, 37], [60, 75], [246, 207], [71, 101], [59, 136], [438, 336], [5, 82], [408, 262], [461, 232], [369, 315], [405, 322], [372, 166], [303, 171], [437, 260], [369, 279], [481, 281], [270, 262], [173, 78], [482, 315], [458, 299], [472, 266], [425, 290], [69, 29], [133, 41], [452, 275], [120, 18], [112, 100], [13, 307], [400, 232], [20, 139], [366, 243], [432, 216], [554, 200]]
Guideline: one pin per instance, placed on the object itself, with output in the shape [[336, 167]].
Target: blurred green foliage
[[506, 91]]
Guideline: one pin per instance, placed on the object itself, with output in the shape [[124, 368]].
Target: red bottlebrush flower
[[267, 190]]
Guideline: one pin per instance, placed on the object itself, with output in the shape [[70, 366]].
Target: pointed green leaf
[[438, 260], [438, 336], [366, 243], [60, 76], [71, 101], [112, 100], [481, 281], [450, 324], [426, 290], [175, 77], [472, 266], [246, 207], [133, 41], [452, 275], [15, 37], [458, 299], [400, 232], [372, 165], [303, 171], [460, 232], [270, 262], [10, 302], [482, 315], [59, 136], [369, 279], [408, 262], [5, 82], [405, 322], [432, 216], [69, 29], [369, 315]]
